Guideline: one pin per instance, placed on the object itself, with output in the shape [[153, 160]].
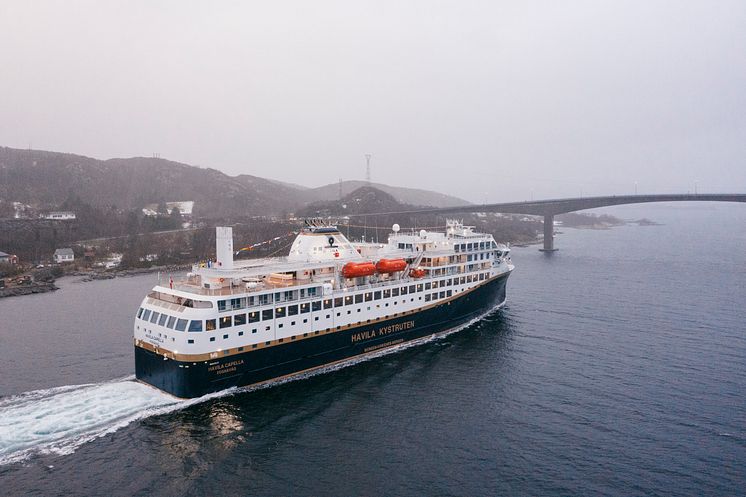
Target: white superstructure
[[235, 306]]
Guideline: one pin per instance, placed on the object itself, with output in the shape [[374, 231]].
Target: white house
[[60, 215], [64, 255]]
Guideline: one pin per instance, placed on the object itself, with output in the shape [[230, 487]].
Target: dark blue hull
[[189, 379]]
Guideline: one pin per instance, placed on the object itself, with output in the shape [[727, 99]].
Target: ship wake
[[59, 420]]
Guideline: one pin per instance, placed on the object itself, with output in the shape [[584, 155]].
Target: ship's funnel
[[224, 247]]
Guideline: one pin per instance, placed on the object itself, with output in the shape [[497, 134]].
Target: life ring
[[221, 280]]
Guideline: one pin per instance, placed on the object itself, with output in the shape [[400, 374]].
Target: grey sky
[[494, 100]]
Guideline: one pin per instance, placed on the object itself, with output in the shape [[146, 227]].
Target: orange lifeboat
[[417, 273], [391, 265], [358, 269]]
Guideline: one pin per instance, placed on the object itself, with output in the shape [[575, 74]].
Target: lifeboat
[[391, 265], [417, 273], [358, 269]]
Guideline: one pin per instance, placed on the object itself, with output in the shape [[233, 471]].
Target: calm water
[[617, 368]]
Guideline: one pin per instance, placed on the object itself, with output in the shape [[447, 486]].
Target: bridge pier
[[548, 233]]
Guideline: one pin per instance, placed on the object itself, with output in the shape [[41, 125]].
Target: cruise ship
[[329, 301]]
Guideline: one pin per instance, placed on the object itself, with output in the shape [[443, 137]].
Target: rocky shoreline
[[17, 291], [109, 274]]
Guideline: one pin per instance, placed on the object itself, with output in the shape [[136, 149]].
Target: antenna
[[367, 168]]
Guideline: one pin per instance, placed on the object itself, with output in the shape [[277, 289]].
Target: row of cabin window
[[267, 298], [464, 247], [177, 324]]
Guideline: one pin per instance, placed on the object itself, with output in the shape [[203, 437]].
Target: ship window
[[435, 284], [442, 294], [316, 318], [427, 297], [265, 299], [240, 333], [368, 297], [171, 322], [292, 310], [146, 315], [239, 319], [292, 323], [253, 346], [181, 324], [359, 298], [139, 312], [162, 320], [240, 349], [328, 304], [280, 312], [338, 302], [456, 248], [194, 325], [226, 321], [395, 292], [377, 295], [449, 281], [221, 305], [267, 314], [348, 299], [449, 293], [154, 317], [280, 325], [403, 290], [225, 337], [386, 294], [212, 339], [305, 307], [316, 306], [190, 341], [210, 324], [328, 316], [253, 330], [253, 317], [427, 286], [419, 287], [238, 303]]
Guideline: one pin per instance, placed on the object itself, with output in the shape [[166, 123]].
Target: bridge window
[[154, 317], [181, 324], [171, 322], [194, 326], [162, 320]]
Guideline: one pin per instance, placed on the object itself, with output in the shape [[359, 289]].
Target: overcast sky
[[495, 100]]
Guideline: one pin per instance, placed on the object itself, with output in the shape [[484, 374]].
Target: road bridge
[[551, 207]]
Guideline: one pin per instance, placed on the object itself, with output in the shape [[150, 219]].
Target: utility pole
[[367, 168]]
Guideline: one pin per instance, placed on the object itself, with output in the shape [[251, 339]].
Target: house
[[63, 255], [60, 215], [8, 258]]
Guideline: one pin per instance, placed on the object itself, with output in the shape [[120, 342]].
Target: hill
[[412, 196], [47, 179]]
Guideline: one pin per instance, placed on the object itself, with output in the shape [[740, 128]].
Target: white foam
[[58, 420]]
